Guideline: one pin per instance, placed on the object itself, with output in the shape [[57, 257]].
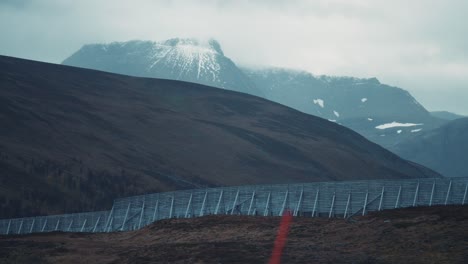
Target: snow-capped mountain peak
[[198, 45], [186, 59], [191, 57]]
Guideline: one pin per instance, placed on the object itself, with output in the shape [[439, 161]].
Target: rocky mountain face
[[74, 139], [443, 149], [187, 60], [382, 113]]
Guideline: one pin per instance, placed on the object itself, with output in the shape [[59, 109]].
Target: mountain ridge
[[362, 104], [187, 59], [446, 115]]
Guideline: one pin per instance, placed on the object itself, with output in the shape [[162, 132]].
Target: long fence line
[[316, 199]]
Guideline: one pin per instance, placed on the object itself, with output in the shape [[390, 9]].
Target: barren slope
[[411, 235], [73, 139]]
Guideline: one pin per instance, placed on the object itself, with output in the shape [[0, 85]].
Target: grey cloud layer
[[418, 45]]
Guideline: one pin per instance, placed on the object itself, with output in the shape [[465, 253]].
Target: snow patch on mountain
[[336, 113], [396, 124], [184, 53], [319, 102], [364, 100], [416, 130]]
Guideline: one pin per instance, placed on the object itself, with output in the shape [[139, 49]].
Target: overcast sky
[[418, 45]]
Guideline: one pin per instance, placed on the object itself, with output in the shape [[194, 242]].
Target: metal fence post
[[265, 213], [44, 226], [347, 205], [432, 193], [284, 203], [464, 195], [21, 226], [188, 206], [365, 203], [219, 202], [32, 225], [397, 203], [8, 227], [315, 202], [381, 197], [448, 192], [142, 212], [298, 206], [57, 225], [70, 225], [84, 224], [331, 206], [125, 218], [172, 207], [251, 202], [202, 209], [155, 213], [109, 228], [111, 215], [235, 202], [416, 192], [97, 222]]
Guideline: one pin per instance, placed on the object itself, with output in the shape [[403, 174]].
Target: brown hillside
[[73, 139], [411, 235]]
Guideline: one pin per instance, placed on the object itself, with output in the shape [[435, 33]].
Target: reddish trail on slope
[[280, 241]]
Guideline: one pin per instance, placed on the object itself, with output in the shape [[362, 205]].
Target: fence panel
[[325, 199]]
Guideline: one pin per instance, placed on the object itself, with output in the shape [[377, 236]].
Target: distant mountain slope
[[360, 104], [446, 115], [73, 139], [444, 149], [335, 98], [364, 105], [188, 60]]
